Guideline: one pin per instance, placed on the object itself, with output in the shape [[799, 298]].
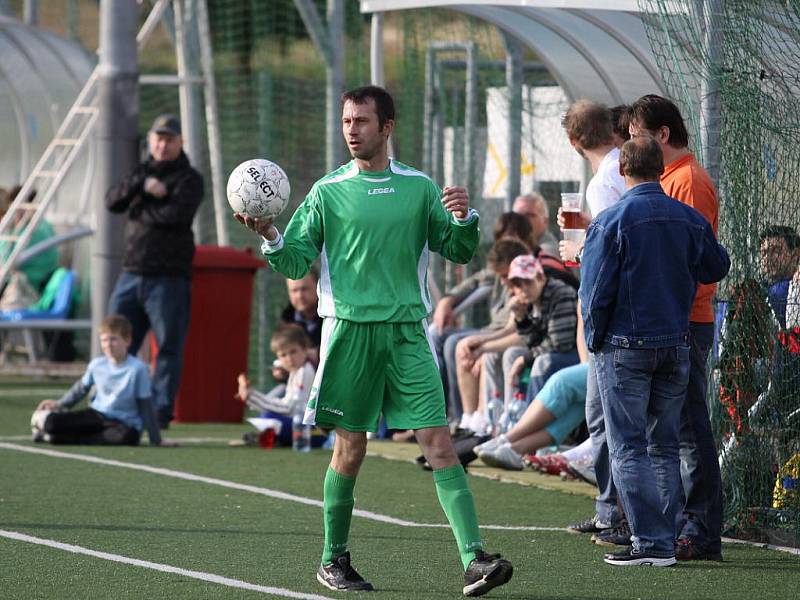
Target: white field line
[[310, 501], [180, 440], [365, 514], [44, 392], [218, 579]]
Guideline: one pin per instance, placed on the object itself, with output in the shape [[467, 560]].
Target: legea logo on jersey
[[373, 191]]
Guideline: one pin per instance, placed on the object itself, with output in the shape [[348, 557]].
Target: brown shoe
[[688, 549]]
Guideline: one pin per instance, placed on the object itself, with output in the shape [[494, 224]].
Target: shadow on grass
[[789, 564], [445, 593]]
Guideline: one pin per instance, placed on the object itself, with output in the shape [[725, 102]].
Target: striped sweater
[[551, 327]]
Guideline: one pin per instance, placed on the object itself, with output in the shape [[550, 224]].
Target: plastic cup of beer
[[573, 235], [571, 209]]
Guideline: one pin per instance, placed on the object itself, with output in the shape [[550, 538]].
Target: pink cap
[[525, 267]]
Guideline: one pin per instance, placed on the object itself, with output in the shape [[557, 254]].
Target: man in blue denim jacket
[[644, 258]]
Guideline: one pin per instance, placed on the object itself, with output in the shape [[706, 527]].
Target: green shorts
[[366, 369]]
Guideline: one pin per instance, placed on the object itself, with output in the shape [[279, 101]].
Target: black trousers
[[88, 427]]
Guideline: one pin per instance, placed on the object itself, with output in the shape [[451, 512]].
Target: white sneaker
[[490, 445], [503, 457], [466, 421], [479, 423], [583, 470], [37, 424]]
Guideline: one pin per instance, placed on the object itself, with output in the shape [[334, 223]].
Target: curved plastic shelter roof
[[595, 49], [40, 76]]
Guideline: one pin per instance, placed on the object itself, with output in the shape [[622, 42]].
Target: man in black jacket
[[160, 197], [302, 308]]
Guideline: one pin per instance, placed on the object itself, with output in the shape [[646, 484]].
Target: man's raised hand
[[456, 200], [263, 227]]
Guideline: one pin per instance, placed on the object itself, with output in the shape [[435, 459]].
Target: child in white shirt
[[291, 345]]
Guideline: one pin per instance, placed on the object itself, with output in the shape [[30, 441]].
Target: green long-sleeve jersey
[[374, 232]]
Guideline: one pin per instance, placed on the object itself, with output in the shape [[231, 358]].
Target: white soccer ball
[[258, 188]]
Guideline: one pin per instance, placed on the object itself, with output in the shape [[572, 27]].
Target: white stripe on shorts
[[430, 341], [310, 416]]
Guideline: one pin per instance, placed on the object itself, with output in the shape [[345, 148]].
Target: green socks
[[337, 509], [454, 496], [459, 506]]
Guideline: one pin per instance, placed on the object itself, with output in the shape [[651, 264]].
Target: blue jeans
[[161, 304], [605, 505], [544, 366], [643, 391], [701, 518]]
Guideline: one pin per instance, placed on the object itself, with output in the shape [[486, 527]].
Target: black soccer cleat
[[485, 572], [339, 576], [616, 536], [590, 525]]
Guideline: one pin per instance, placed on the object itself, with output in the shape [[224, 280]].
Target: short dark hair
[[588, 123], [117, 325], [621, 120], [384, 104], [514, 225], [289, 334], [788, 234], [504, 250], [642, 158], [652, 111]]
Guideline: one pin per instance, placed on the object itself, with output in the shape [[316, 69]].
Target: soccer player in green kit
[[374, 222]]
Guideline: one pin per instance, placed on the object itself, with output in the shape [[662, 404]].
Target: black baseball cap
[[168, 124]]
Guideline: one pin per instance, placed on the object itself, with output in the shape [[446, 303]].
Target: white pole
[[376, 49], [212, 123], [376, 58], [710, 96], [187, 98], [334, 84], [30, 12], [514, 141]]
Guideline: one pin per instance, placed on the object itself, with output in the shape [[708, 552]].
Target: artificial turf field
[[263, 538]]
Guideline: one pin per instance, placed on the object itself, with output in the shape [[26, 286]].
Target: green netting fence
[[752, 49], [270, 83], [271, 97]]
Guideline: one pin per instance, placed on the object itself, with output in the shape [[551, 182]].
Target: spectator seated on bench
[[51, 313], [55, 303]]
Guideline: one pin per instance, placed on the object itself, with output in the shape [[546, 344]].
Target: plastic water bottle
[[301, 434], [504, 423], [495, 409], [516, 408]]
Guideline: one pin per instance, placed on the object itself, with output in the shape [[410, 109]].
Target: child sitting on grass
[[291, 346], [121, 407]]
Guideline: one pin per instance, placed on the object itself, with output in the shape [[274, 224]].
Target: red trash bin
[[217, 343]]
